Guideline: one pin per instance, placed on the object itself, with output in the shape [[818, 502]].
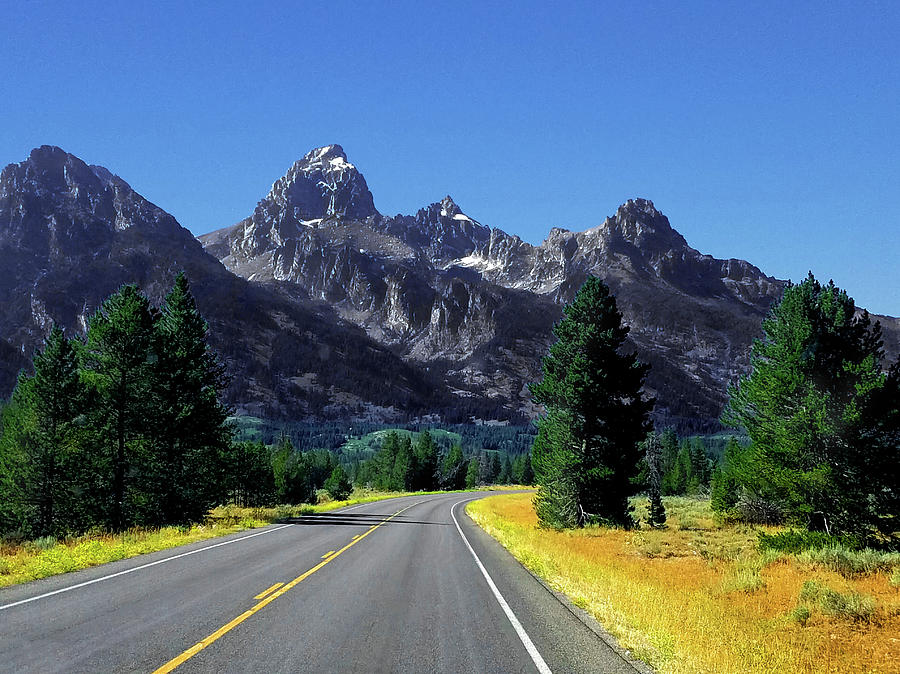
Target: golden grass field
[[699, 597]]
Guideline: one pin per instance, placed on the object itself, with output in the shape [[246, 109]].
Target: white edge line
[[514, 621], [142, 566]]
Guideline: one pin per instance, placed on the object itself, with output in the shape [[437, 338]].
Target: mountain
[[72, 234], [323, 307], [475, 305]]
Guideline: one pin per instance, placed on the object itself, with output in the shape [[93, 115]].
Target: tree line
[[401, 465]]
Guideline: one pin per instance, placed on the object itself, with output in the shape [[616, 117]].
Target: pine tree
[[404, 470], [491, 469], [191, 427], [294, 482], [338, 485], [426, 462], [555, 458], [597, 391], [453, 469], [699, 464], [505, 476], [822, 416], [527, 470], [653, 457], [384, 461], [250, 478], [724, 486], [52, 401], [473, 473], [670, 478], [118, 365]]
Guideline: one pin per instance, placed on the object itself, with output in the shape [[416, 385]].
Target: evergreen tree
[[653, 457], [473, 473], [490, 468], [385, 460], [596, 390], [522, 470], [118, 365], [699, 461], [724, 485], [527, 470], [292, 474], [453, 469], [822, 416], [338, 484], [404, 470], [426, 462], [555, 459], [250, 478], [191, 427], [670, 477], [505, 476], [53, 400]]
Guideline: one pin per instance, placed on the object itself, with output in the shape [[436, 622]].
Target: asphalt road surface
[[403, 585]]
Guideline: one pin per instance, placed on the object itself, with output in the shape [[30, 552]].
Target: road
[[403, 585]]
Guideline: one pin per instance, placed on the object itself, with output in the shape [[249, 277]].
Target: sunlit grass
[[700, 597]]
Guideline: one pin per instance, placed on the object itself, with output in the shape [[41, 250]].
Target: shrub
[[799, 615], [810, 591], [850, 563], [793, 541], [757, 510], [851, 606], [43, 543]]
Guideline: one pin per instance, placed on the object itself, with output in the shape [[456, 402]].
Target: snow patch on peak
[[478, 262], [340, 163]]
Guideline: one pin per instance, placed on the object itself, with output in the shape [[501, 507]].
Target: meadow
[[700, 595]]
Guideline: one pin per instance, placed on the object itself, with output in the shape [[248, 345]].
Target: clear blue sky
[[766, 131]]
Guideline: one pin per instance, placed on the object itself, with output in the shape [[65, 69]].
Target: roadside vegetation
[[705, 595]]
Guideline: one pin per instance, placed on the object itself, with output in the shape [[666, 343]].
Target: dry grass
[[699, 597]]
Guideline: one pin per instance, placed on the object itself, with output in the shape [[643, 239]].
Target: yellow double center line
[[200, 645]]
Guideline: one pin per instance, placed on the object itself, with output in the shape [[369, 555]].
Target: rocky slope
[[71, 234]]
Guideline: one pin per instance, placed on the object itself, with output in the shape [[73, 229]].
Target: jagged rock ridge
[[324, 307]]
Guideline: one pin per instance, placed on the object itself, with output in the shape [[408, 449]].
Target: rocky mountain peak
[[323, 184], [449, 207], [54, 203], [639, 223]]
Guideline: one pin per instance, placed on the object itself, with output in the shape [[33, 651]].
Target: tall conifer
[[596, 390]]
